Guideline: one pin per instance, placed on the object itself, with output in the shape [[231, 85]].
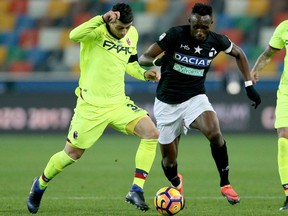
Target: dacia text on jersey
[[117, 48], [191, 61]]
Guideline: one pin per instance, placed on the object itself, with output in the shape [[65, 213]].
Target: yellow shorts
[[281, 112], [89, 121]]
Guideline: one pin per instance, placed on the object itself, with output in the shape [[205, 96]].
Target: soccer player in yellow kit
[[108, 50], [278, 41]]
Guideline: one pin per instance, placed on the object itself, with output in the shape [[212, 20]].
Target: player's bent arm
[[149, 57], [264, 58], [135, 70], [242, 61], [86, 30]]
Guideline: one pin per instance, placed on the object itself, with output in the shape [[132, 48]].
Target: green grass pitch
[[97, 183]]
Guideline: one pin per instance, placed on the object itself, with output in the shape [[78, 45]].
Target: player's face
[[119, 29], [200, 26]]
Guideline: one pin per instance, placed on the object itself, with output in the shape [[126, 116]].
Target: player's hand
[[111, 16], [152, 75], [253, 95], [254, 76]]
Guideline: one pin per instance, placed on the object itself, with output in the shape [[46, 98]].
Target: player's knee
[[215, 138], [151, 134]]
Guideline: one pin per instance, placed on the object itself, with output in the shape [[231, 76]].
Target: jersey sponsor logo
[[118, 48], [188, 70], [192, 60], [186, 47]]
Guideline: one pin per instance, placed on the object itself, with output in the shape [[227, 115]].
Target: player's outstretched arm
[[243, 66], [262, 61]]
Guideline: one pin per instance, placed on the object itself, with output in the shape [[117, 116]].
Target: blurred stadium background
[[39, 65]]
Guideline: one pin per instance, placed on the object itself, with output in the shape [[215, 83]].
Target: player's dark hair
[[126, 15], [202, 9]]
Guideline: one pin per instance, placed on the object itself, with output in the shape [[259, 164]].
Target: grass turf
[[97, 184]]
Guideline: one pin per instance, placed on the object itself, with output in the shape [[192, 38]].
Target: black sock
[[171, 174], [220, 156]]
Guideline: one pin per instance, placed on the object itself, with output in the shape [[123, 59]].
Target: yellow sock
[[55, 165], [144, 160], [283, 162]]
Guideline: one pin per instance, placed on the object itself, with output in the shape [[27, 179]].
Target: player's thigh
[[281, 111], [194, 108], [126, 117], [169, 121], [87, 125]]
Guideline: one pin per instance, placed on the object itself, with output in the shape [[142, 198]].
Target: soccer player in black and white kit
[[181, 102]]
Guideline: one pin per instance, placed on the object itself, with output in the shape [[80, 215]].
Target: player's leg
[[281, 124], [169, 164], [208, 124], [170, 124], [145, 129], [283, 162], [73, 150], [130, 119]]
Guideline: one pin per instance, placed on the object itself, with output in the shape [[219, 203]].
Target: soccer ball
[[168, 201]]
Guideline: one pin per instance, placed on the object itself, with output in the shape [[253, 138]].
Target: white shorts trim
[[174, 119]]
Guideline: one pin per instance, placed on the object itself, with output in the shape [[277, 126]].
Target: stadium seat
[[279, 17], [37, 9], [220, 63], [58, 9], [64, 38], [10, 39], [158, 7], [80, 18], [5, 6], [15, 54], [19, 7], [28, 38], [36, 56], [3, 54], [236, 35], [71, 55], [245, 23], [137, 6], [24, 22], [49, 38], [21, 66], [265, 34], [257, 8], [223, 21], [146, 27], [235, 7], [7, 23]]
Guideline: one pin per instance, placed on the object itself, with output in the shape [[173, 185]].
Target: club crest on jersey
[[128, 41], [111, 46], [212, 52], [192, 60]]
